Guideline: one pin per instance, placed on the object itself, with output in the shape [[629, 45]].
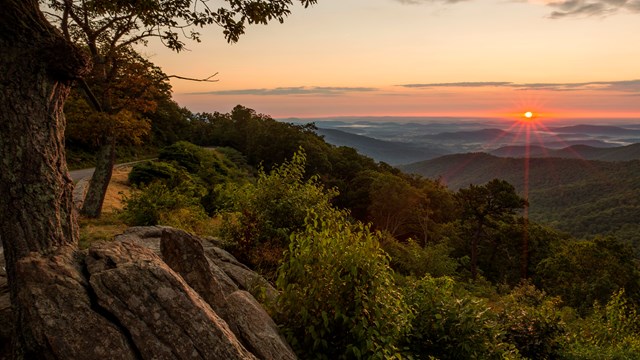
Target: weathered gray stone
[[255, 328], [145, 236], [245, 316], [166, 318], [185, 255], [63, 318], [245, 278]]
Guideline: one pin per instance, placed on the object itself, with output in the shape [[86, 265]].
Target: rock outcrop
[[246, 317], [153, 293]]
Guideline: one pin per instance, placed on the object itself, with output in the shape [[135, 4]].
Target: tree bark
[[37, 67]]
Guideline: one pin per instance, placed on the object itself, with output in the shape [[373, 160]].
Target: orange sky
[[422, 58]]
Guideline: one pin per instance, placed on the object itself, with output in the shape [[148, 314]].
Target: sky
[[461, 58]]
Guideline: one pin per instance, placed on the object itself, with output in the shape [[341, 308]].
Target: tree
[[108, 29], [485, 206], [37, 68], [582, 272]]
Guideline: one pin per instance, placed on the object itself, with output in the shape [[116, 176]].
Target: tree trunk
[[97, 190], [474, 251], [37, 67]]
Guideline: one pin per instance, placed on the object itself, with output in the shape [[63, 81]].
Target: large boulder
[[243, 277], [247, 319], [63, 317], [120, 300], [166, 318]]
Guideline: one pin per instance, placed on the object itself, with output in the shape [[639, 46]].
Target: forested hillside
[[582, 197], [580, 152]]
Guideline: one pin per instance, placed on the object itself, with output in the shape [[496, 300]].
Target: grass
[[101, 229]]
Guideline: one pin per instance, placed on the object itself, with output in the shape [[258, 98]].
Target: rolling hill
[[582, 197], [388, 151], [621, 153], [596, 130]]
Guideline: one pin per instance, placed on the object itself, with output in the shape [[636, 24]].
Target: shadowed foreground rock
[[165, 317], [120, 300], [246, 317], [64, 320]]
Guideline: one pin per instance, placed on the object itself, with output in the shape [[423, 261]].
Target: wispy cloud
[[628, 86], [459, 84], [586, 8], [419, 2], [297, 90]]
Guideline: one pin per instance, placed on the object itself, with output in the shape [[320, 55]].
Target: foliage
[[412, 259], [532, 322], [609, 332], [339, 299], [128, 22], [486, 206], [264, 214], [448, 325], [158, 204], [582, 272], [146, 172]]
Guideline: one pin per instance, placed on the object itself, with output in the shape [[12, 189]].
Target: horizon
[[481, 58]]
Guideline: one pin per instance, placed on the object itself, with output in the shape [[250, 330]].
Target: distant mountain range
[[402, 143], [583, 197], [596, 130], [621, 153], [391, 152]]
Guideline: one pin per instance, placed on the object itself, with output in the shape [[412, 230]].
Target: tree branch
[[208, 79], [90, 96]]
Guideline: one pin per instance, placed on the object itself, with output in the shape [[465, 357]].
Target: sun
[[528, 115]]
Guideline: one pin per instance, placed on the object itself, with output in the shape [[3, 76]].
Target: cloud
[[459, 84], [297, 90], [420, 2], [586, 8], [628, 86]]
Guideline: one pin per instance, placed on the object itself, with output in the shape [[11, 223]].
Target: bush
[[185, 154], [610, 332], [532, 322], [157, 204], [147, 172], [586, 271], [448, 325], [415, 260], [339, 299], [264, 214]]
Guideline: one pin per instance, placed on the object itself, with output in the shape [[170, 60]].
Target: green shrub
[[412, 259], [339, 299], [147, 172], [448, 325], [532, 322], [157, 204], [583, 272], [185, 154], [610, 332], [264, 214]]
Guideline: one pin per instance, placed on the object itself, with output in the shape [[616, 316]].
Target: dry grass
[[118, 187], [109, 223]]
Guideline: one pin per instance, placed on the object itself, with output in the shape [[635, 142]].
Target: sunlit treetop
[[126, 22]]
